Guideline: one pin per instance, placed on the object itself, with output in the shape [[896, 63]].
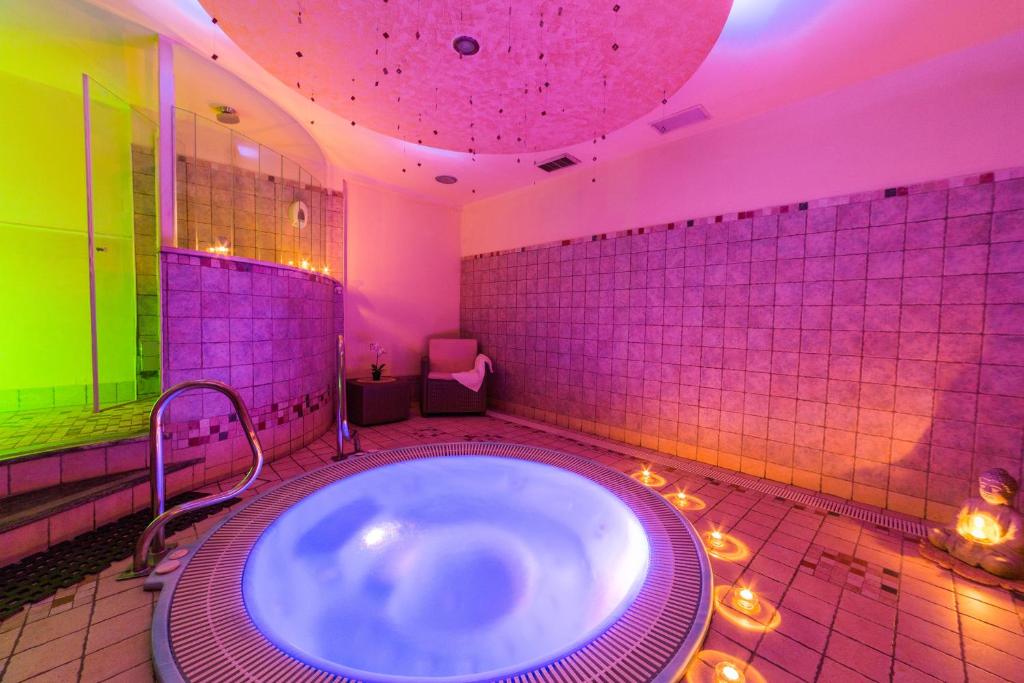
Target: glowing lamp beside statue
[[986, 541]]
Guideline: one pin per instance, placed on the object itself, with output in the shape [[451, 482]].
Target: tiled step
[[84, 487], [34, 471], [42, 574], [29, 507], [37, 520]]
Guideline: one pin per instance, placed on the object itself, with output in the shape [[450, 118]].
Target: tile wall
[[248, 212], [868, 346], [268, 331], [147, 264]]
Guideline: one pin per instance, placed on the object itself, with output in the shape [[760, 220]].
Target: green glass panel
[[45, 335], [111, 137]]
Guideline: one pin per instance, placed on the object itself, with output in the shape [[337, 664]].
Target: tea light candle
[[717, 540], [727, 672], [981, 527], [745, 599]]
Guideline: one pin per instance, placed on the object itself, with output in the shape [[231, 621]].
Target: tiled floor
[[854, 601], [29, 431]]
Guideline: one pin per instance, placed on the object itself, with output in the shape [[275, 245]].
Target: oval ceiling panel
[[546, 75]]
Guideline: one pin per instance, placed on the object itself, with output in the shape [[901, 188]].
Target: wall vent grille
[[686, 117], [559, 162]]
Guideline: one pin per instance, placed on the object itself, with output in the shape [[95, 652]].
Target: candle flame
[[726, 672], [745, 599], [980, 527]]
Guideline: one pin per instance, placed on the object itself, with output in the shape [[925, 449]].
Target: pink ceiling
[[548, 74], [771, 53]]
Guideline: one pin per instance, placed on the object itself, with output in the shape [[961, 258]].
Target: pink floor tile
[[857, 656], [788, 654], [115, 659], [831, 670], [928, 659], [828, 575], [864, 631]]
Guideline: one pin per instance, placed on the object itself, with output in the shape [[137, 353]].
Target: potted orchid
[[377, 367]]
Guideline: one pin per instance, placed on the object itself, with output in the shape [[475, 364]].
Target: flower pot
[[376, 375]]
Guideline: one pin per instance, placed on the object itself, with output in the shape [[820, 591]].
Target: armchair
[[440, 393]]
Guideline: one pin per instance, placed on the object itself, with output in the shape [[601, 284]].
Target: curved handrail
[[154, 532], [343, 432]]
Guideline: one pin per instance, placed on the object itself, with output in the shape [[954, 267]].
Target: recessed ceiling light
[[446, 179], [466, 45]]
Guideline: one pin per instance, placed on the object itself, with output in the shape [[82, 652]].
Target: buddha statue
[[988, 532]]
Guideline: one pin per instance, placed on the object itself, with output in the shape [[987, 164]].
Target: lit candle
[[978, 526], [646, 474], [717, 540], [982, 528], [681, 498], [726, 672], [304, 264], [745, 599]]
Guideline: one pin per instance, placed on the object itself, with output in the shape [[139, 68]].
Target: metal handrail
[[154, 533], [343, 432]]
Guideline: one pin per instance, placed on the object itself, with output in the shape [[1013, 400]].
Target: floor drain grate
[[882, 519], [65, 564]]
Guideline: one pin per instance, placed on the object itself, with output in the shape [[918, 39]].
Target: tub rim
[[653, 507]]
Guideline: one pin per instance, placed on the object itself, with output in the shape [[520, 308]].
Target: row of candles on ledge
[[222, 249]]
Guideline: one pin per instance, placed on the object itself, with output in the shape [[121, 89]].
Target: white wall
[[958, 114], [403, 277]]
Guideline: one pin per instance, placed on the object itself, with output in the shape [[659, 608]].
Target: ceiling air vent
[[561, 161], [686, 117]]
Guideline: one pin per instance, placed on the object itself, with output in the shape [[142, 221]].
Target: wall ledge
[[225, 259]]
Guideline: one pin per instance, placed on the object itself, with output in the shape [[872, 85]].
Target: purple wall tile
[[876, 340]]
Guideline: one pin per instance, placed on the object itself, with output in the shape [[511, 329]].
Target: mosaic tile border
[[218, 428]]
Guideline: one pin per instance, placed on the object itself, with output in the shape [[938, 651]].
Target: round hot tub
[[452, 562]]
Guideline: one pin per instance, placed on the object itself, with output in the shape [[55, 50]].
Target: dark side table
[[374, 403]]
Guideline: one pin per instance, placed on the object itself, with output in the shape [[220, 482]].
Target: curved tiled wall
[[267, 330]]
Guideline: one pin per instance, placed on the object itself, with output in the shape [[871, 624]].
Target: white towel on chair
[[474, 379]]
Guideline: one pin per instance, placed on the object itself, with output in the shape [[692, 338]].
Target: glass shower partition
[[237, 197], [122, 250]]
